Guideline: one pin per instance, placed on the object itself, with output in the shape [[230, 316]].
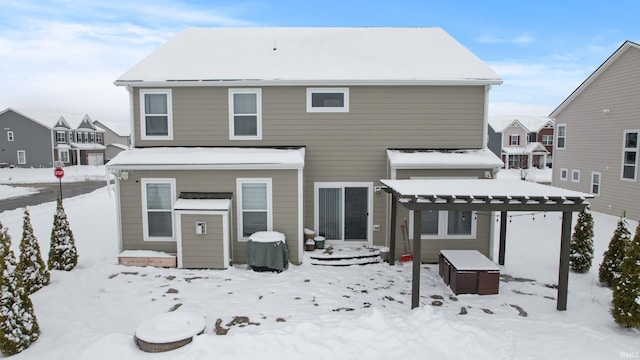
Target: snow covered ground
[[45, 175], [311, 312]]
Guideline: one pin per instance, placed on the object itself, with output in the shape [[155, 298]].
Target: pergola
[[483, 195]]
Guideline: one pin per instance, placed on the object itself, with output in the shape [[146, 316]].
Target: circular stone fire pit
[[168, 331]]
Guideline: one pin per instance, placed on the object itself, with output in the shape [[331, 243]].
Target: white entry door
[[343, 211]]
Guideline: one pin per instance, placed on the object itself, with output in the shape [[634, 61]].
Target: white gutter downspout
[[132, 128], [485, 132]]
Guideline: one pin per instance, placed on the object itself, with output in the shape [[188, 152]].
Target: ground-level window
[[564, 174], [630, 155], [514, 161], [22, 157], [64, 156], [254, 206], [10, 135], [561, 136], [446, 224], [158, 196], [328, 100], [575, 175], [595, 182]]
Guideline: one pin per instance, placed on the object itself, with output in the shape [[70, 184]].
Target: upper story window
[[595, 182], [561, 136], [61, 136], [158, 196], [547, 140], [245, 114], [99, 138], [532, 137], [328, 100], [575, 175], [10, 135], [156, 115], [514, 140], [564, 174], [86, 137], [79, 137], [630, 155], [92, 138]]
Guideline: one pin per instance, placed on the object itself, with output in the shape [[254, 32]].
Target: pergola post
[[415, 280], [503, 237], [392, 229], [563, 272]]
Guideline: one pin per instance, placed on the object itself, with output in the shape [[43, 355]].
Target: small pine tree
[[31, 267], [63, 254], [611, 265], [581, 246], [18, 324], [626, 291]]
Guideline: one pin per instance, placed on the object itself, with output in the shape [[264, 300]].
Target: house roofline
[[206, 167], [23, 115]]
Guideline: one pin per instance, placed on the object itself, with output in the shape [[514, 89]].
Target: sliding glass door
[[343, 211]]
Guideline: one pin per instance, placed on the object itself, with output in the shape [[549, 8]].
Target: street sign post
[[59, 173]]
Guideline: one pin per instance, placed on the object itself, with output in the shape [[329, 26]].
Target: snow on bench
[[147, 258]]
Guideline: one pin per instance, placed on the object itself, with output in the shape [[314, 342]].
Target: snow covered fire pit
[[168, 331]]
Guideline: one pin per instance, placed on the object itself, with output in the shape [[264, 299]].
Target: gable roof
[[86, 123], [602, 68], [62, 123], [102, 126], [24, 116], [530, 123], [368, 55]]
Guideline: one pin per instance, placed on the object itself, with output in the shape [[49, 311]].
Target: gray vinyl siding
[[202, 251], [431, 247], [30, 136], [285, 205], [594, 139]]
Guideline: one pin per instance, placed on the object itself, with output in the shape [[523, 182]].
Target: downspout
[[485, 136], [485, 131], [132, 129]]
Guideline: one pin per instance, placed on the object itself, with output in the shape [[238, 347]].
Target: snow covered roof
[[530, 123], [62, 124], [84, 146], [119, 146], [23, 115], [443, 159], [203, 158], [63, 146], [214, 56], [530, 148]]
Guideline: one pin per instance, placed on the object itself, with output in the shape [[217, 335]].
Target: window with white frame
[[561, 136], [514, 161], [10, 135], [61, 137], [514, 140], [22, 157], [254, 206], [446, 224], [79, 137], [99, 138], [630, 155], [564, 174], [92, 138], [63, 155], [595, 182], [158, 196], [245, 114], [156, 115], [327, 100], [575, 175], [547, 140], [532, 137], [86, 137]]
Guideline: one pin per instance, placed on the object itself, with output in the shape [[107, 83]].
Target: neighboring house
[[596, 142], [24, 142], [113, 141], [294, 129], [522, 141], [81, 146]]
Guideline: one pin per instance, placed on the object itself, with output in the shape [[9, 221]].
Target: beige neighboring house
[[114, 142], [295, 129], [596, 142], [522, 141]]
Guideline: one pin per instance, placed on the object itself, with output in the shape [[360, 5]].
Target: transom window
[[630, 155], [446, 224], [595, 182], [10, 135], [327, 100], [254, 206], [61, 136], [22, 157], [156, 119], [564, 174], [561, 136], [158, 196], [245, 114]]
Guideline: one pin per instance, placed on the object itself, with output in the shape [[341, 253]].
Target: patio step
[[345, 256]]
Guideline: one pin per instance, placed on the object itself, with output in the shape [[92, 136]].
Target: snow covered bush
[[63, 254], [609, 270], [18, 323], [581, 245], [31, 267], [626, 290]]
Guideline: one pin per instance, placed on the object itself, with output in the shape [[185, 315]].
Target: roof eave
[[307, 82], [205, 166]]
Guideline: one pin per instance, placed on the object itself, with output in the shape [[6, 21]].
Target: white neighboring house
[[522, 141]]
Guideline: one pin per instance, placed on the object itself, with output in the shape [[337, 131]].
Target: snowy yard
[[316, 312]]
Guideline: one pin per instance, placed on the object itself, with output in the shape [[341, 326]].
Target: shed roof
[[326, 55]]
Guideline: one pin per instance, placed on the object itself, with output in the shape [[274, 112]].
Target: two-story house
[[596, 141], [83, 145], [253, 129], [522, 141], [24, 142]]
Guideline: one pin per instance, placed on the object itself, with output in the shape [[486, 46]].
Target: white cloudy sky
[[60, 57]]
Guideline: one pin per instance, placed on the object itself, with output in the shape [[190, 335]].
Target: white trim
[[24, 157], [309, 82], [225, 233], [143, 128], [626, 149], [61, 152], [343, 91], [10, 135], [575, 172], [556, 133], [566, 174], [599, 183], [549, 138], [119, 214], [143, 192], [300, 214], [443, 227], [268, 182], [258, 93], [515, 137], [132, 117], [316, 219]]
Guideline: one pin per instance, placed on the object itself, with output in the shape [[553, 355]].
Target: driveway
[[49, 192]]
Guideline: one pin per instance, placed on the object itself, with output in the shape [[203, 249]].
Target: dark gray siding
[[30, 136]]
